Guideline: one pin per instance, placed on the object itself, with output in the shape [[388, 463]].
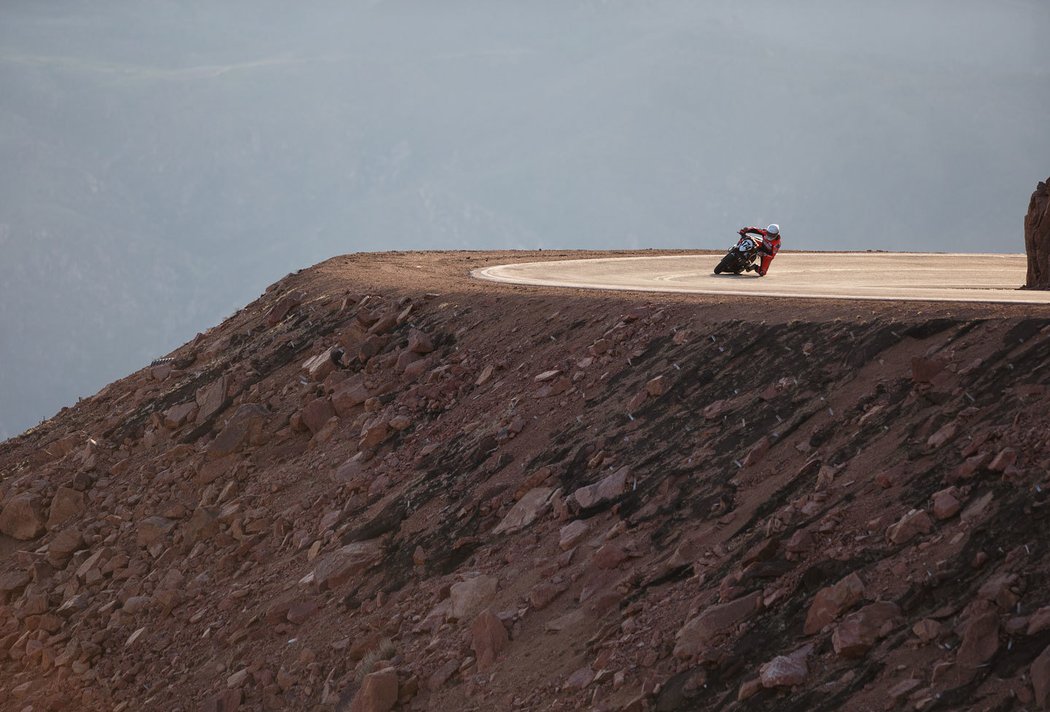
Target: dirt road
[[860, 275]]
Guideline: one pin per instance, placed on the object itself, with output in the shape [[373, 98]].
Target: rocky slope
[[385, 486]]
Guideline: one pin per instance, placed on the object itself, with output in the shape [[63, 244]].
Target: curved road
[[849, 275]]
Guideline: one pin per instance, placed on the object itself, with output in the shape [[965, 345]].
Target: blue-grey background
[[163, 161]]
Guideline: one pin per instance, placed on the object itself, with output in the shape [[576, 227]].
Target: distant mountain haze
[[163, 161]]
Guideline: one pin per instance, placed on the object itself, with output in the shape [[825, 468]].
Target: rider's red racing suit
[[769, 247]]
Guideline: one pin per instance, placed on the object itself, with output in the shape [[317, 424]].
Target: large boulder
[[65, 505], [606, 490], [488, 638], [1037, 238], [859, 632], [245, 425], [700, 631], [471, 596], [378, 692], [343, 564], [23, 517], [525, 511], [829, 602]]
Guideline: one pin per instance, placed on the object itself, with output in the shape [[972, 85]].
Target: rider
[[769, 246]]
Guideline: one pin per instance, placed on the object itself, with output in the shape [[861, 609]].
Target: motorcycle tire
[[723, 266]]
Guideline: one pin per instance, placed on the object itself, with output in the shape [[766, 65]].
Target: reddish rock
[[405, 359], [316, 413], [829, 602], [1037, 238], [637, 402], [419, 342], [384, 324], [1039, 621], [12, 582], [763, 551], [971, 466], [700, 631], [378, 692], [604, 491], [903, 687], [911, 525], [927, 630], [923, 370], [210, 399], [371, 347], [373, 433], [414, 370], [152, 529], [657, 386], [748, 689], [299, 611], [980, 641], [354, 474], [599, 347], [488, 638], [284, 307], [349, 395], [786, 670], [471, 596], [340, 566], [946, 503], [859, 631], [978, 510], [318, 367], [484, 376], [65, 505], [178, 415], [801, 541], [942, 436], [228, 701], [999, 590], [715, 410], [579, 679], [542, 594], [400, 423], [442, 674], [572, 533], [63, 545], [1039, 672], [757, 452], [525, 511], [610, 555], [891, 477], [1006, 458], [204, 524], [22, 517], [244, 426]]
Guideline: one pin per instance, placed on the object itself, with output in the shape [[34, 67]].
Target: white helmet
[[773, 229]]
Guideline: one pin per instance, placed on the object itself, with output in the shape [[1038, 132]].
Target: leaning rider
[[769, 246]]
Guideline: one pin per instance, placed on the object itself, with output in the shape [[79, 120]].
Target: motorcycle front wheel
[[725, 265]]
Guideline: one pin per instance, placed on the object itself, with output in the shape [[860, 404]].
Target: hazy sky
[[161, 163]]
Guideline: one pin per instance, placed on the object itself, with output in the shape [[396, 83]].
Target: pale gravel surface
[[860, 275]]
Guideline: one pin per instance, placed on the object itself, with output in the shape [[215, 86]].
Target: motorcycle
[[741, 256]]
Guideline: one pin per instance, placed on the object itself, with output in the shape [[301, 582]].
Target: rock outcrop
[[1037, 238]]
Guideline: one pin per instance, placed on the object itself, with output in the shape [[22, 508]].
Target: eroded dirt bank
[[520, 499]]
